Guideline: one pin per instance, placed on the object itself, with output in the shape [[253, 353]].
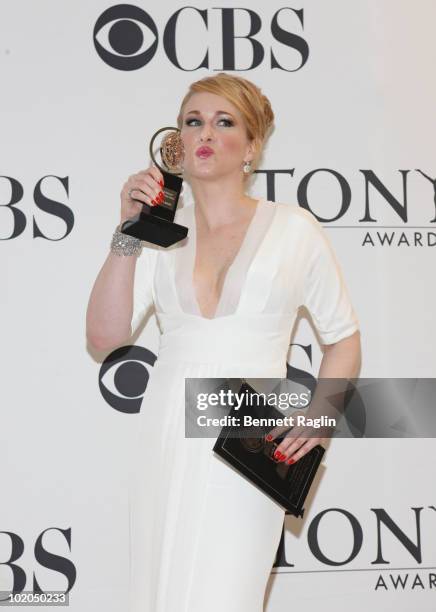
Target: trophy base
[[154, 229]]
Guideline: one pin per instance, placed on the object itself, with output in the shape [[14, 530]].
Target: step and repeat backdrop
[[84, 85]]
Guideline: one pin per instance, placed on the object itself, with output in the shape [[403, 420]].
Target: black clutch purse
[[254, 458]]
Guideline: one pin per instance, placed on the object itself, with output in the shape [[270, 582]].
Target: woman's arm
[[326, 297], [342, 359], [341, 362], [110, 306], [112, 300]]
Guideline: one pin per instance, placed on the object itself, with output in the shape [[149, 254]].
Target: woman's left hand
[[296, 444]]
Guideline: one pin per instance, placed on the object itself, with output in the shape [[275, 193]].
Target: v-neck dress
[[201, 536]]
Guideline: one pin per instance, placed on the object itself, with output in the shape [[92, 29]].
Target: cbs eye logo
[[125, 36], [123, 377]]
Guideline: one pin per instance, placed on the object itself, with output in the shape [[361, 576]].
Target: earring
[[247, 167]]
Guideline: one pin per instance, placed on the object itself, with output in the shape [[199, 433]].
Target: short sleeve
[[325, 293], [143, 286]]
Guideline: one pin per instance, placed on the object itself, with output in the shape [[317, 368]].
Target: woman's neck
[[221, 203]]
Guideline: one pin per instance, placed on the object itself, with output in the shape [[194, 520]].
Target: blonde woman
[[226, 299]]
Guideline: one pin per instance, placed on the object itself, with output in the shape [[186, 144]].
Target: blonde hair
[[253, 105]]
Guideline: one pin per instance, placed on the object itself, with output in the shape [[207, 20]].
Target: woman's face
[[214, 137]]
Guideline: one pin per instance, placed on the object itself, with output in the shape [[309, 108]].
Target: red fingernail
[[277, 455], [153, 202], [269, 438], [283, 458], [290, 461], [161, 182]]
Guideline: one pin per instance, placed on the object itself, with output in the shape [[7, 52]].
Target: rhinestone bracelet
[[123, 244]]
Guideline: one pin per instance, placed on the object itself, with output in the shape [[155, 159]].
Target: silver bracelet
[[123, 244]]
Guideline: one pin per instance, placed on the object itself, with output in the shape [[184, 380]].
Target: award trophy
[[156, 223]]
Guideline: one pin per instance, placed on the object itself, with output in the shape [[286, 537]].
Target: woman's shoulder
[[300, 217]]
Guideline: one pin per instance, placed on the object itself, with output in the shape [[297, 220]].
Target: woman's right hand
[[146, 186]]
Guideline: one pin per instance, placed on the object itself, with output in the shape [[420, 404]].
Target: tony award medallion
[[156, 223]]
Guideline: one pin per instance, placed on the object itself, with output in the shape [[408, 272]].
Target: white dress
[[202, 538]]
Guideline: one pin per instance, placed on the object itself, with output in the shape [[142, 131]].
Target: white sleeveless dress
[[202, 538]]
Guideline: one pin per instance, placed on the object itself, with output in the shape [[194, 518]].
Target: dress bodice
[[237, 271], [285, 261]]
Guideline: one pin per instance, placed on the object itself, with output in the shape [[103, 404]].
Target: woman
[[226, 299]]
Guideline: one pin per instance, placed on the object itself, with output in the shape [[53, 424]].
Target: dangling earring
[[247, 167]]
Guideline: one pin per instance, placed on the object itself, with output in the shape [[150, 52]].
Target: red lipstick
[[204, 151]]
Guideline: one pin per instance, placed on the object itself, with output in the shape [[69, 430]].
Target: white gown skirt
[[202, 538]]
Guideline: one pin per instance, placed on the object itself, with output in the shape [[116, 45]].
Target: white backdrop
[[354, 100]]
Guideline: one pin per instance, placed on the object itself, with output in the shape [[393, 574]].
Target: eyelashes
[[228, 122]]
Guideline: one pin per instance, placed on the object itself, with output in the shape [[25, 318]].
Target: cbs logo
[[124, 376], [43, 556], [126, 38], [17, 217]]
